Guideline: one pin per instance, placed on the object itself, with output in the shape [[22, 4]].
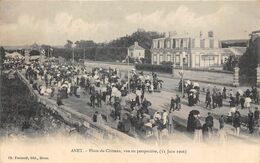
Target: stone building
[[136, 51], [187, 50]]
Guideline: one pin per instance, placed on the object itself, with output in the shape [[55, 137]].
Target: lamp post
[[128, 76], [84, 56], [73, 55], [182, 76]]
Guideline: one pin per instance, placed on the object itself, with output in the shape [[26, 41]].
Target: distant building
[[140, 30], [187, 50], [190, 51], [136, 51]]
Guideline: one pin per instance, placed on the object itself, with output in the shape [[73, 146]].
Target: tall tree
[[248, 63], [68, 44]]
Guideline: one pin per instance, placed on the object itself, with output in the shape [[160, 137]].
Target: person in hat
[[256, 115], [172, 106], [157, 116], [198, 130], [164, 117], [237, 122], [221, 122], [59, 98], [95, 116], [170, 122], [178, 102], [250, 121], [210, 123]]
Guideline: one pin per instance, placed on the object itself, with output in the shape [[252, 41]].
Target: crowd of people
[[214, 98], [126, 98], [105, 87]]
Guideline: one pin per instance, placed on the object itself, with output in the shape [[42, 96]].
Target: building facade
[[136, 51], [188, 51]]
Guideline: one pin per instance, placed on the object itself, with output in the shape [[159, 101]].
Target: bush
[[248, 64], [155, 68]]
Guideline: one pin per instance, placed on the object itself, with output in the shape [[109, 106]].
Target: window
[[202, 43], [161, 59], [181, 43], [185, 43], [173, 44], [168, 58], [216, 60], [211, 43], [197, 60], [168, 44], [154, 44], [155, 58], [139, 54], [158, 44], [177, 59], [132, 54], [185, 60], [177, 43], [193, 43]]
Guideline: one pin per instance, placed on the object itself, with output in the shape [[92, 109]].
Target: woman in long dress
[[236, 123], [198, 130]]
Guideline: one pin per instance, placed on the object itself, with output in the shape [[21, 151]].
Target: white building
[[136, 51]]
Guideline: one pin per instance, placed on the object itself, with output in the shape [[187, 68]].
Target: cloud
[[227, 22], [29, 29]]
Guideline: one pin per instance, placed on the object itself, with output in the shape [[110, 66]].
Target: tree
[[69, 44], [248, 64], [230, 63], [47, 49], [34, 53], [85, 44]]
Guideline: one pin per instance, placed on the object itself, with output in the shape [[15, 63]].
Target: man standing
[[250, 121], [237, 122], [256, 115], [208, 100], [170, 122], [221, 122], [198, 130], [209, 123], [178, 102], [172, 107]]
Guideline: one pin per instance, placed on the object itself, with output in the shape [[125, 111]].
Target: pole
[[182, 85], [49, 55], [128, 77], [73, 55], [84, 55]]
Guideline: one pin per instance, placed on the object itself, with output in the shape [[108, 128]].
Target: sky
[[55, 22]]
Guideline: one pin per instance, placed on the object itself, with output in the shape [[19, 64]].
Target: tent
[[14, 55]]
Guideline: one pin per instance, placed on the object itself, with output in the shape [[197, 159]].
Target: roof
[[135, 47], [234, 50]]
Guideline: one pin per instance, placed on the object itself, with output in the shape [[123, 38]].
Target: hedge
[[167, 68], [154, 68]]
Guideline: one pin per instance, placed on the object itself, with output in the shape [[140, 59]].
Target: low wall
[[197, 75], [206, 76], [95, 130]]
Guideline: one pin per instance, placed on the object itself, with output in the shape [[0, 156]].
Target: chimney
[[172, 33], [210, 34], [201, 34], [136, 43]]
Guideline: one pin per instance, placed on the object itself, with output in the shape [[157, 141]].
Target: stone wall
[[206, 76]]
